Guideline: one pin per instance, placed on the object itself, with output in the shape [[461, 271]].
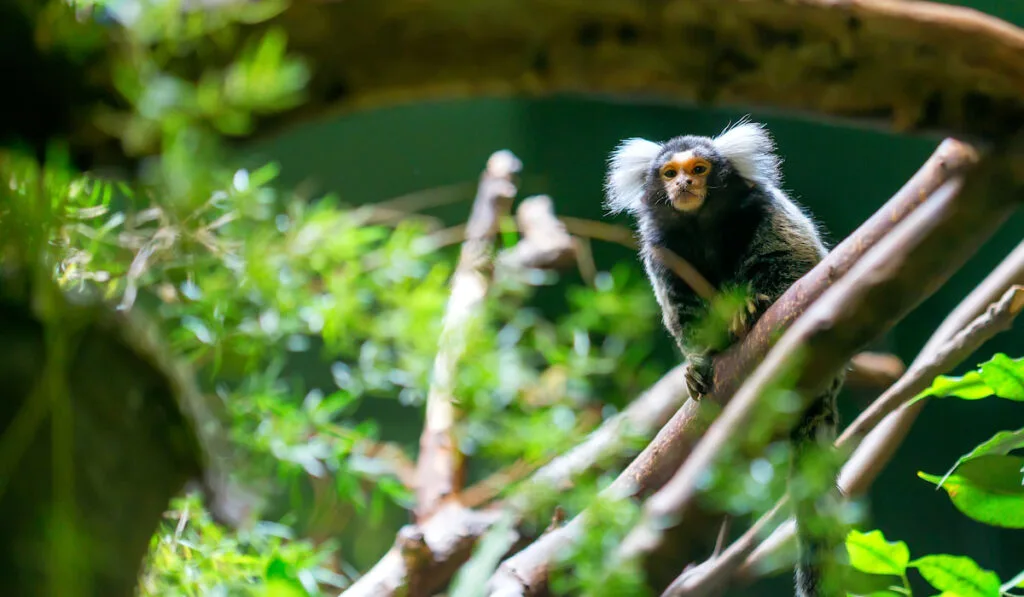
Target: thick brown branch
[[903, 269], [905, 65], [877, 449], [439, 466], [949, 159], [714, 574], [526, 572]]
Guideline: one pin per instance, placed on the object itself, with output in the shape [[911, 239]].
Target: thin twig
[[612, 233], [585, 259], [711, 576], [686, 272], [874, 370]]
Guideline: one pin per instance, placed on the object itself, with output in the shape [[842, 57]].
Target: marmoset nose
[[689, 181]]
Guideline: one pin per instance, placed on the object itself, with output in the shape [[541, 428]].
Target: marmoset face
[[684, 176]]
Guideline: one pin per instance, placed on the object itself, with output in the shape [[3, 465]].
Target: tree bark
[[907, 66]]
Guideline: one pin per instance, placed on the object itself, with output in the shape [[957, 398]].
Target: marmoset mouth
[[687, 201]]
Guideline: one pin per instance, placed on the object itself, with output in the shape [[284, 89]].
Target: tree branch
[[712, 576], [545, 243], [453, 531], [997, 318], [439, 470], [526, 572], [878, 447], [912, 66], [903, 269], [874, 370]]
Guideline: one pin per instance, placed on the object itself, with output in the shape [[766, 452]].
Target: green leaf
[[967, 387], [957, 575], [283, 588], [1005, 376], [987, 489], [875, 594], [1003, 442], [871, 553], [264, 174], [1000, 376], [279, 569]]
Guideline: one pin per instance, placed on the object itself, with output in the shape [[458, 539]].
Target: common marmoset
[[717, 203]]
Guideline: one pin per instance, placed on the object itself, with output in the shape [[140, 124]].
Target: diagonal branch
[[902, 270], [997, 318], [878, 447], [526, 572], [713, 575], [439, 469]]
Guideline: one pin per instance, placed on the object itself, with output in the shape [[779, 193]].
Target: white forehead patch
[[751, 150], [627, 169]]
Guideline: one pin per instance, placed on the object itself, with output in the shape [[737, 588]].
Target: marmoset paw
[[700, 378], [740, 324]]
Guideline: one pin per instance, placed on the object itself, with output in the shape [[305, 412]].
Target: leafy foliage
[[988, 489], [1000, 377], [256, 286], [871, 553], [957, 575], [196, 557], [986, 484]]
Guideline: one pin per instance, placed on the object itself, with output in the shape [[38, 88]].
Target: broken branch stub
[[545, 242]]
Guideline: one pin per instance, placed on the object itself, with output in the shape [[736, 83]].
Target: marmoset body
[[717, 203]]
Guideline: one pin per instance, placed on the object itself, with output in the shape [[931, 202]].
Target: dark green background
[[841, 174]]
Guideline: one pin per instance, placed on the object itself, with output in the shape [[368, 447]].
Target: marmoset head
[[689, 172]]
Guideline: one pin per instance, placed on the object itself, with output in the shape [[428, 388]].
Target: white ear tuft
[[627, 169], [752, 152]]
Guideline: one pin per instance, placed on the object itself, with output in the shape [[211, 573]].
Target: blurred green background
[[842, 174]]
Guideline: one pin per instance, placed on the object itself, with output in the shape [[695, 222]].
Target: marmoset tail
[[717, 203]]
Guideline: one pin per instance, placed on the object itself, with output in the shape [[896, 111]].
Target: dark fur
[[744, 234]]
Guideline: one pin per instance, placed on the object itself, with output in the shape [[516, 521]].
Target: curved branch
[[910, 66]]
